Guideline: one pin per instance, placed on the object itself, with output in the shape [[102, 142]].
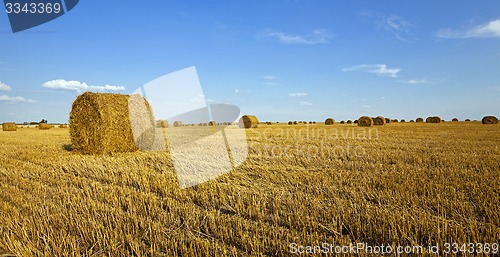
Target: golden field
[[402, 184]]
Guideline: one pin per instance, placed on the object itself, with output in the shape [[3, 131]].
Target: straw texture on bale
[[387, 120], [379, 121], [9, 126], [365, 121], [349, 121], [248, 121], [489, 120], [433, 119], [44, 126], [103, 123], [178, 123], [420, 120], [329, 121], [355, 121]]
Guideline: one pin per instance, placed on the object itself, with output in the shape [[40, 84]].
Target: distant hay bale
[[467, 119], [9, 126], [349, 121], [178, 123], [342, 122], [403, 120], [269, 123], [420, 119], [412, 121], [395, 120], [365, 121], [44, 126], [433, 119], [329, 121], [103, 123], [295, 123], [211, 123], [379, 121], [290, 123], [387, 120], [489, 120], [454, 119], [314, 122], [162, 124], [248, 121], [355, 121]]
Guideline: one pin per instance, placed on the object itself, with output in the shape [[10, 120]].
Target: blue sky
[[279, 60]]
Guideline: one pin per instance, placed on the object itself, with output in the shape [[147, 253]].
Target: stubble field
[[402, 184]]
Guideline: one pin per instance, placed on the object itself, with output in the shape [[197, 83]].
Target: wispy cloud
[[270, 80], [317, 36], [378, 69], [415, 81], [4, 87], [396, 25], [365, 106], [297, 94], [488, 30], [77, 86], [15, 99], [304, 103]]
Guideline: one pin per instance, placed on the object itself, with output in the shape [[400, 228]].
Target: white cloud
[[379, 69], [415, 81], [15, 99], [269, 77], [79, 87], [365, 106], [297, 94], [396, 25], [488, 30], [4, 87], [304, 103], [315, 37]]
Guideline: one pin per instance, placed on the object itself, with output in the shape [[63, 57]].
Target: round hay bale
[[412, 121], [365, 121], [290, 123], [355, 121], [329, 121], [433, 119], [248, 121], [349, 121], [454, 119], [420, 119], [489, 120], [44, 126], [9, 126], [103, 123], [211, 123], [387, 120], [269, 123], [295, 123], [467, 119], [342, 122], [379, 121], [178, 123], [403, 120], [162, 124], [395, 120]]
